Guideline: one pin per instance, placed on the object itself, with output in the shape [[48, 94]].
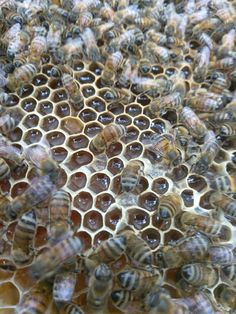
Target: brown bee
[[116, 95], [4, 169], [227, 45], [206, 25], [228, 129], [54, 35], [221, 255], [72, 308], [226, 63], [38, 46], [170, 204], [131, 174], [7, 151], [91, 48], [224, 184], [7, 123], [144, 66], [225, 204], [157, 53], [202, 64], [21, 76], [75, 96], [17, 45], [112, 64], [152, 87], [156, 37], [63, 287]]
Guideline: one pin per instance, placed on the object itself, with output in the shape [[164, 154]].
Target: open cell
[[138, 218], [104, 201], [77, 181], [93, 220], [152, 237], [112, 218], [99, 182], [83, 201], [149, 201]]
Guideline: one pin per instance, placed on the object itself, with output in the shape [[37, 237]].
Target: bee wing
[[36, 153], [4, 119]]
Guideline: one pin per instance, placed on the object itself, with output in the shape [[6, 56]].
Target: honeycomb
[[99, 206]]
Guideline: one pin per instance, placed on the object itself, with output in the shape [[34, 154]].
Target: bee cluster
[[117, 156]]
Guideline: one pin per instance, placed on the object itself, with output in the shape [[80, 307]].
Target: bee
[[229, 272], [63, 287], [38, 46], [54, 36], [129, 38], [131, 175], [152, 87], [224, 116], [109, 250], [20, 59], [11, 17], [18, 45], [224, 184], [72, 308], [157, 53], [224, 203], [202, 64], [7, 123], [11, 33], [72, 47], [23, 238], [156, 37], [206, 103], [121, 298], [201, 302], [205, 40], [126, 74], [99, 286], [110, 134], [73, 90], [170, 204], [85, 19], [12, 153], [227, 44], [205, 224], [139, 281], [91, 48], [22, 75], [4, 169], [105, 31], [144, 66], [106, 12], [210, 149], [221, 255], [228, 129], [226, 14], [163, 145], [199, 275], [187, 249], [226, 63], [206, 25], [196, 127], [112, 64], [59, 215], [36, 300], [48, 262], [182, 136], [227, 297]]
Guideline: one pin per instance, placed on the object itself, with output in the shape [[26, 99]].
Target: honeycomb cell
[[55, 138], [83, 201], [149, 201], [138, 218], [42, 93], [32, 136], [131, 135], [19, 188], [170, 115], [145, 137], [71, 125], [157, 69], [77, 142], [13, 101], [85, 239], [10, 231], [41, 237], [28, 104], [160, 186], [96, 68], [9, 294], [112, 218], [31, 121], [186, 70], [45, 58], [46, 69], [115, 165], [100, 237], [45, 107], [39, 80], [88, 115], [116, 185], [92, 129], [114, 150], [143, 100], [116, 108], [106, 118], [25, 91], [59, 154], [78, 65], [79, 159], [55, 83], [59, 95], [172, 235], [85, 77], [123, 120], [49, 123], [178, 173], [77, 181], [152, 237], [159, 223], [133, 150], [142, 185], [62, 178], [141, 122], [187, 196], [197, 182], [204, 200], [99, 182], [97, 104], [93, 220], [62, 110], [76, 219], [103, 201], [170, 71], [133, 110], [88, 91], [158, 126], [193, 44]]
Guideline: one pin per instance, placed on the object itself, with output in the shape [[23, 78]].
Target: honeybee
[[156, 37], [109, 250], [106, 12], [210, 149], [4, 169], [73, 90], [131, 174], [99, 286], [12, 153], [18, 45], [226, 14], [163, 145], [199, 275], [152, 87], [7, 123], [224, 203], [91, 48], [21, 76], [228, 129], [37, 47], [227, 297], [121, 298], [116, 95], [72, 47], [196, 127], [229, 272], [11, 33], [59, 215], [48, 262], [110, 134], [203, 63], [187, 249], [221, 255], [206, 25], [63, 287], [36, 300], [112, 64], [227, 44], [224, 116], [170, 204], [224, 184], [23, 238], [206, 103], [54, 36], [139, 281], [208, 225], [105, 31], [11, 17], [72, 308], [126, 74], [226, 63]]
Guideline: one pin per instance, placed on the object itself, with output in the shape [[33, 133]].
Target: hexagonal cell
[[13, 100], [32, 136], [88, 91], [96, 68], [159, 223], [55, 138], [97, 104], [141, 122], [194, 44], [115, 165], [42, 93], [85, 239], [46, 69], [62, 178], [100, 237], [103, 201], [197, 182], [59, 95], [19, 188], [106, 118], [59, 154], [72, 125], [10, 231], [77, 181], [55, 83], [93, 220], [131, 135], [123, 119], [9, 294], [28, 104], [83, 201], [41, 237], [92, 129], [188, 198], [116, 185], [39, 80], [23, 280], [99, 182], [88, 115], [133, 150], [172, 235], [149, 201], [79, 159], [138, 218], [77, 142], [112, 218], [45, 107], [15, 135], [31, 121], [157, 69], [170, 71], [116, 108], [133, 110], [158, 126], [170, 115], [143, 100], [187, 72], [85, 77], [77, 65], [152, 237], [25, 90], [62, 110], [178, 173], [160, 186], [114, 149], [76, 219], [49, 123]]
